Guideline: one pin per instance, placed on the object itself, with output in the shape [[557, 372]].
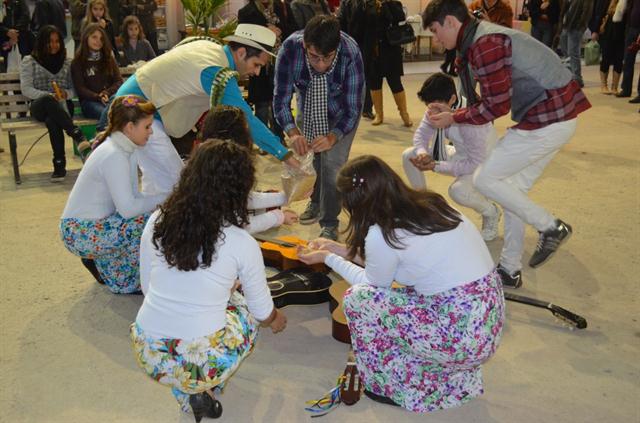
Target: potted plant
[[199, 14]]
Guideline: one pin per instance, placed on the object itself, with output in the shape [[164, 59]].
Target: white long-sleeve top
[[187, 305], [264, 200], [108, 183], [430, 263], [469, 142]]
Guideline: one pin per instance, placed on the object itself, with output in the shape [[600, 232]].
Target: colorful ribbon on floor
[[327, 403]]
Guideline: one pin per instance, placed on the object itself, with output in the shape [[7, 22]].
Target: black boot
[[203, 405], [59, 170], [80, 141]]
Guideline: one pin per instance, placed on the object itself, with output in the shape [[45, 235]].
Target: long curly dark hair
[[227, 123], [372, 193], [212, 193]]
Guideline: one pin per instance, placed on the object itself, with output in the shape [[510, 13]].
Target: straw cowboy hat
[[255, 36]]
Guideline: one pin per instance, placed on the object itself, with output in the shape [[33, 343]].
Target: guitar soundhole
[[275, 286]]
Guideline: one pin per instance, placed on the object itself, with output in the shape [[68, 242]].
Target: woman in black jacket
[[387, 62], [14, 29], [275, 15]]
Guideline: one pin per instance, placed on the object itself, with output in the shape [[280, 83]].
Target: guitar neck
[[274, 241], [562, 313]]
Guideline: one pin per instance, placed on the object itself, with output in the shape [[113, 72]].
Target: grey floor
[[65, 355]]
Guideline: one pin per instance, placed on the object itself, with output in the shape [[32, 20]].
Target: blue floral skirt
[[425, 352], [113, 243], [191, 366]]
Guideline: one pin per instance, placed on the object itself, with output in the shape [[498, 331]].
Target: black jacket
[[49, 12], [17, 17]]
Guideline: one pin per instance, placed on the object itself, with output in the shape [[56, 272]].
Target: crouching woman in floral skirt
[[106, 213], [421, 346], [194, 328]]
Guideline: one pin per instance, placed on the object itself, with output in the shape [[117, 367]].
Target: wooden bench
[[15, 115]]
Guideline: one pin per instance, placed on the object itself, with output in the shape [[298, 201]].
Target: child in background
[[135, 46], [98, 12], [105, 214], [95, 73], [469, 142], [228, 122]]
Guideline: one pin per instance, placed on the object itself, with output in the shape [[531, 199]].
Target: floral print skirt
[[191, 366], [425, 352], [113, 243]]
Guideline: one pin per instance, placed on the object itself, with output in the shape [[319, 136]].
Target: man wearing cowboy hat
[[180, 82]]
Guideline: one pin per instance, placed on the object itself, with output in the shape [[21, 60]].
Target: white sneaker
[[490, 225]]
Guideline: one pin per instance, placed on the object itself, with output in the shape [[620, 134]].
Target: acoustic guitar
[[300, 286], [281, 253]]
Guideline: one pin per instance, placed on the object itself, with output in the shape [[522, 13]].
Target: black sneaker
[[549, 242], [310, 215], [329, 232], [635, 100], [510, 280], [368, 115], [59, 170]]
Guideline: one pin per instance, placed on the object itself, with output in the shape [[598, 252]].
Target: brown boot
[[376, 98], [401, 102], [615, 80], [604, 87]]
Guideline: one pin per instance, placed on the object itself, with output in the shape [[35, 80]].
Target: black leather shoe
[[380, 398], [203, 405], [368, 115], [91, 267], [635, 100]]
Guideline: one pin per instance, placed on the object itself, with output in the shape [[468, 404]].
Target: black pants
[[394, 81], [47, 109], [612, 45]]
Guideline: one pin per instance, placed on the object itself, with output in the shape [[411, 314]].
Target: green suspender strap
[[220, 82]]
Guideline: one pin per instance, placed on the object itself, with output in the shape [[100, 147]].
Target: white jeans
[[159, 162], [461, 190], [508, 174]]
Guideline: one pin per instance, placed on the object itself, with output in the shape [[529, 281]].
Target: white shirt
[[108, 183], [260, 222], [187, 305], [430, 263]]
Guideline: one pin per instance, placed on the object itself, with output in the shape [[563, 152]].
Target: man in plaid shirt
[[324, 67], [518, 73]]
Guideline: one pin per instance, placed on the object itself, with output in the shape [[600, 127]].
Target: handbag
[[592, 53], [14, 59], [398, 35]]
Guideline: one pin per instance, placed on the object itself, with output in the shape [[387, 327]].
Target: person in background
[[358, 19], [270, 14], [105, 213], [95, 73], [229, 123], [544, 19], [46, 69], [430, 153], [324, 67], [609, 32], [387, 62], [135, 46], [497, 11], [14, 30], [78, 10], [334, 5], [631, 45], [49, 12], [304, 10], [421, 346], [144, 10], [574, 18], [194, 254], [514, 73], [97, 12]]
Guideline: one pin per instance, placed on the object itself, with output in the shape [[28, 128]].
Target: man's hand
[[325, 143], [299, 144], [440, 115], [293, 162], [423, 162]]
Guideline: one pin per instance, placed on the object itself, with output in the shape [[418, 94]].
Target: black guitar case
[[301, 286]]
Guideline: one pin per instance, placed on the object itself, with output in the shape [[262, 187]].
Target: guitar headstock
[[572, 319]]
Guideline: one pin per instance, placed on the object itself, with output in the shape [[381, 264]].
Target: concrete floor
[[65, 354]]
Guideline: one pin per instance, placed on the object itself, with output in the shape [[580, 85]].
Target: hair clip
[[357, 181], [130, 101]]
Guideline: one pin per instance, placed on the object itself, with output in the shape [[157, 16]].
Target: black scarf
[[53, 63], [468, 85]]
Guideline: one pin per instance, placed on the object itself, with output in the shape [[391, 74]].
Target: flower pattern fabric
[[191, 366], [113, 243], [425, 352]]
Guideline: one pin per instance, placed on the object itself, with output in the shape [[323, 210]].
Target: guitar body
[[281, 253], [300, 286], [339, 328]]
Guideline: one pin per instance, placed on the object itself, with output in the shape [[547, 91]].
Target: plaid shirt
[[345, 85], [490, 60]]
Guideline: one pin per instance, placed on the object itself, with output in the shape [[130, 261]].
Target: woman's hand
[[311, 256], [279, 322], [290, 217], [328, 245]]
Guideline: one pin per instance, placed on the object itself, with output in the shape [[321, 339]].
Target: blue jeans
[[629, 61], [103, 119], [543, 32], [570, 40], [91, 109]]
